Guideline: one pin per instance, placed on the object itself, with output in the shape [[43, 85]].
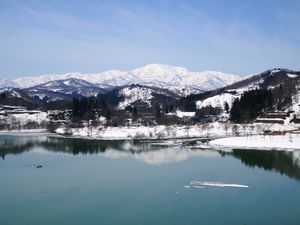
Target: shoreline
[[286, 139], [285, 142], [24, 132]]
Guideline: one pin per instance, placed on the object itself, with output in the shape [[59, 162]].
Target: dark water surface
[[135, 182]]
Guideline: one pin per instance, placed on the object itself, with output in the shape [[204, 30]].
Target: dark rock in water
[[39, 166], [189, 143]]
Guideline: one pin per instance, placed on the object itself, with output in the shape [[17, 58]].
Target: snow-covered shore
[[174, 131], [24, 132], [288, 142], [225, 135]]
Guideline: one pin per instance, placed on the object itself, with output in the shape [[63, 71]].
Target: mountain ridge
[[178, 79]]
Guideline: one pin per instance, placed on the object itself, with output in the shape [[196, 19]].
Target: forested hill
[[274, 90]]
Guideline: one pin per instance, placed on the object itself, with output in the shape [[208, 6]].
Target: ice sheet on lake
[[194, 186], [203, 184]]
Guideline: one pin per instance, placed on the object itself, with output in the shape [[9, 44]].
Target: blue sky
[[241, 37]]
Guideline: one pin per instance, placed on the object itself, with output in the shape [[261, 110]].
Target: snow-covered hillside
[[69, 86], [141, 96], [133, 94], [266, 80], [217, 101], [163, 76]]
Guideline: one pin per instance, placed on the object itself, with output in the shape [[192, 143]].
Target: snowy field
[[266, 142]]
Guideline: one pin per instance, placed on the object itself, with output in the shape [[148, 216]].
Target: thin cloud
[[46, 37]]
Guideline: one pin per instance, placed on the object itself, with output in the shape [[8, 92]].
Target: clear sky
[[233, 36]]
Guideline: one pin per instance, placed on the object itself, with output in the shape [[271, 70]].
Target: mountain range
[[155, 89], [177, 79]]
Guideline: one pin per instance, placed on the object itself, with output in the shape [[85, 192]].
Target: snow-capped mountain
[[71, 86], [177, 79], [7, 83]]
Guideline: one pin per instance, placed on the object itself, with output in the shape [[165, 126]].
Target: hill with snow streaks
[[134, 94], [269, 80], [177, 79], [71, 86]]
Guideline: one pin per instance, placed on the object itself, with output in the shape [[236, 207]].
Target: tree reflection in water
[[287, 163], [284, 162]]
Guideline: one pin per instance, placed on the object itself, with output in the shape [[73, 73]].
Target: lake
[[142, 182]]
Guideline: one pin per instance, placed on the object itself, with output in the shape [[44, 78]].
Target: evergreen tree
[[250, 105], [226, 107]]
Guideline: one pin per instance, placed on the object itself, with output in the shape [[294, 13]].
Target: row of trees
[[250, 105]]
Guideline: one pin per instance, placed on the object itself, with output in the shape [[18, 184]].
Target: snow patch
[[185, 114], [292, 75], [287, 142], [217, 101]]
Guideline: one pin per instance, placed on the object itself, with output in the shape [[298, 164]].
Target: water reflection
[[149, 152], [287, 163], [15, 145], [161, 156]]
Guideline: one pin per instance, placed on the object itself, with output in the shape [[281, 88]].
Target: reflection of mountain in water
[[80, 146], [17, 145], [280, 161], [14, 145], [153, 153], [287, 163]]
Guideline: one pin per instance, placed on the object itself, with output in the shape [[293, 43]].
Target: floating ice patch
[[194, 186], [218, 184]]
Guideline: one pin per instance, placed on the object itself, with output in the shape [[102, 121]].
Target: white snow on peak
[[4, 83], [158, 75], [275, 71]]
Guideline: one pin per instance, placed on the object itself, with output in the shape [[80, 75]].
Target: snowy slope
[[133, 94], [163, 76], [142, 96], [218, 101], [267, 80]]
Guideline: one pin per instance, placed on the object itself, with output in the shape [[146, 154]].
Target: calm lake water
[[135, 182]]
